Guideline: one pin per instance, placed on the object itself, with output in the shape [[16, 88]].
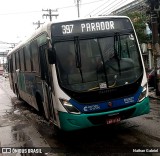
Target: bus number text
[[67, 29]]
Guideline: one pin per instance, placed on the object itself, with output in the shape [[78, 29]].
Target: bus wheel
[[40, 105], [55, 129]]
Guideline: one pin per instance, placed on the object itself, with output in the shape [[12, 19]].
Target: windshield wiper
[[77, 51], [117, 50], [103, 63], [78, 56]]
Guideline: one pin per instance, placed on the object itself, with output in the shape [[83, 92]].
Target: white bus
[[81, 73]]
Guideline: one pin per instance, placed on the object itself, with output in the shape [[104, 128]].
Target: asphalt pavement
[[16, 131]]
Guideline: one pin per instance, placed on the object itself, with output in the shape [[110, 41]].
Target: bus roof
[[90, 18]]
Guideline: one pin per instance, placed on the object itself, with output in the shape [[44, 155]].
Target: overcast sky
[[17, 16]]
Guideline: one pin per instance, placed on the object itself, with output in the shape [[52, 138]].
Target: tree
[[139, 21]]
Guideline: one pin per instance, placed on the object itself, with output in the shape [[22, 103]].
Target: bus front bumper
[[69, 122]]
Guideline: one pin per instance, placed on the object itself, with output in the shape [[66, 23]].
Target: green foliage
[[139, 19]]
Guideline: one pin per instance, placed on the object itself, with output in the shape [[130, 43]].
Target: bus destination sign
[[89, 26]]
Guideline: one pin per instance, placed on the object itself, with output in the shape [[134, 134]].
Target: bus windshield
[[98, 63]]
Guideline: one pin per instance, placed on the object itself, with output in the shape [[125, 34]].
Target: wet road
[[21, 126]]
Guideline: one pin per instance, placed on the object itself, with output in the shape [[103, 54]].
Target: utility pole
[[50, 14], [38, 24], [77, 3], [154, 11]]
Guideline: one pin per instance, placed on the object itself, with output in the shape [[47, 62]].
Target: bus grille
[[99, 120]]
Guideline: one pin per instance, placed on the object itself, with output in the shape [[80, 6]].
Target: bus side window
[[43, 63], [14, 62], [17, 60], [22, 60], [35, 56], [10, 65], [8, 60], [27, 57]]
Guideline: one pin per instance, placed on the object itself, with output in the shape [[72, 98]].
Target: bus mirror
[[51, 56]]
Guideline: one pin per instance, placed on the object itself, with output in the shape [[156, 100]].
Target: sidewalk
[[152, 94]]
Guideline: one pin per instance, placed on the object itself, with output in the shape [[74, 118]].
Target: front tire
[[40, 105]]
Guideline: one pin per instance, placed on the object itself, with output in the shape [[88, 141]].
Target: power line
[[111, 8], [66, 7], [91, 2], [114, 7], [103, 9], [96, 8], [26, 12]]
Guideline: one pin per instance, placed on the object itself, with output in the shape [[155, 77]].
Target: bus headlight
[[69, 107], [143, 93]]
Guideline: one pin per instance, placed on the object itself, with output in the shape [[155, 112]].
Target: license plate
[[113, 120]]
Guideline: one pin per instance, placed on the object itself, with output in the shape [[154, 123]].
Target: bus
[[81, 73]]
